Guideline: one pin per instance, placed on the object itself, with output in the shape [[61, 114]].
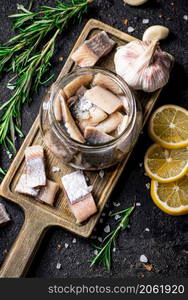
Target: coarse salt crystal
[[114, 249], [74, 241], [140, 165], [145, 21], [100, 239], [107, 228], [116, 204], [66, 245], [148, 185], [56, 169], [96, 252], [117, 217], [130, 29], [147, 229], [58, 266], [185, 17], [138, 204], [143, 258], [101, 173]]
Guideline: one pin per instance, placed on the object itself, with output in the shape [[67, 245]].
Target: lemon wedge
[[168, 126]]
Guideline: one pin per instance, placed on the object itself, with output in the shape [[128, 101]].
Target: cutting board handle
[[24, 248]]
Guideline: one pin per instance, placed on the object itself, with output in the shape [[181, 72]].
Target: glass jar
[[84, 156]]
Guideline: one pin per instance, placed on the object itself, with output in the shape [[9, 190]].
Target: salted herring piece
[[75, 186], [47, 193], [106, 82], [4, 217], [122, 125], [111, 123], [23, 188], [71, 88], [57, 108], [84, 209], [35, 168], [97, 115], [104, 99], [96, 137], [91, 50], [69, 122]]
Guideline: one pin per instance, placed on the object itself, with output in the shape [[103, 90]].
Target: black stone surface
[[166, 244]]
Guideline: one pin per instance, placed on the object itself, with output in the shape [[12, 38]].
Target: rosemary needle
[[27, 56], [105, 252]]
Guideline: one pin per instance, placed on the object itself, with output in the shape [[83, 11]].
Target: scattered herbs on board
[[104, 255], [28, 55]]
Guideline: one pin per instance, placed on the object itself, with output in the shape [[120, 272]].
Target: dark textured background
[[166, 244]]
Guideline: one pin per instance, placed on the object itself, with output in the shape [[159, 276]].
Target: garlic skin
[[143, 65]]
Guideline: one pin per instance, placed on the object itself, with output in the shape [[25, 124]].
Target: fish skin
[[106, 82], [4, 217], [84, 209], [70, 89], [69, 122], [111, 123], [84, 57], [23, 188], [104, 99], [35, 168], [96, 137], [75, 186], [47, 193], [93, 49]]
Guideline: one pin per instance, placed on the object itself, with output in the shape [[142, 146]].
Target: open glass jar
[[85, 156]]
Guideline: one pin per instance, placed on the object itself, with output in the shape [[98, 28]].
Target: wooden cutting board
[[39, 217]]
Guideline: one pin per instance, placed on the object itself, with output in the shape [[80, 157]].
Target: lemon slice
[[166, 165], [169, 126], [171, 197]]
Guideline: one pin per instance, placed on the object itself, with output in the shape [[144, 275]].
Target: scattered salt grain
[[117, 217], [185, 17], [143, 258], [138, 204], [140, 165], [66, 245], [74, 241], [148, 185], [45, 105], [116, 204], [10, 86], [107, 228], [9, 155], [56, 169], [114, 249], [58, 266], [96, 252], [130, 29], [147, 229], [100, 239], [145, 21], [101, 173], [128, 226]]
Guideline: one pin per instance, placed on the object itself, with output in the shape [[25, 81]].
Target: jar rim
[[93, 71]]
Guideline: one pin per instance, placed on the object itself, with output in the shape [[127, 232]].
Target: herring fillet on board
[[35, 168], [23, 188]]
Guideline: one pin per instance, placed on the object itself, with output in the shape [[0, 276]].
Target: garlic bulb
[[143, 65]]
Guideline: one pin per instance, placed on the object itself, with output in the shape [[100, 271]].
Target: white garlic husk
[[143, 65]]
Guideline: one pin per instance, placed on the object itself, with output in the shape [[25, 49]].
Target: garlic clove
[[135, 2], [156, 32]]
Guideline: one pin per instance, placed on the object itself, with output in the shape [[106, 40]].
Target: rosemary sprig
[[104, 256], [27, 56], [2, 173]]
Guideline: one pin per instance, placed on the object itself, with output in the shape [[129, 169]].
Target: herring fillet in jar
[[92, 119]]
